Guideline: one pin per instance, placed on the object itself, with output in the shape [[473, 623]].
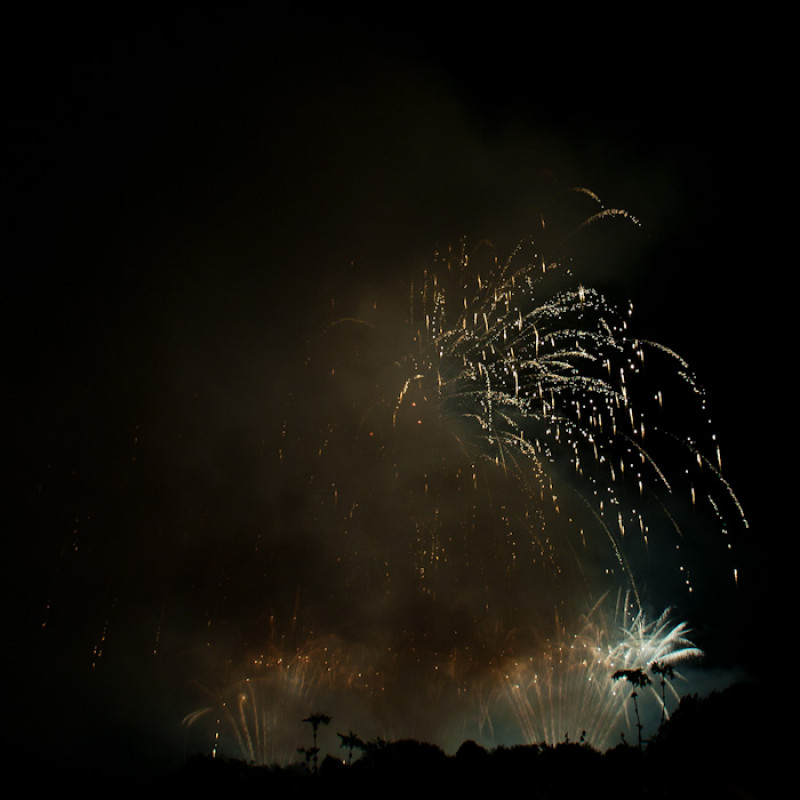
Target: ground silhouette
[[713, 747], [722, 746]]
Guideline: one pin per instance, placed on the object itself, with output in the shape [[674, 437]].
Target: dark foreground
[[717, 747]]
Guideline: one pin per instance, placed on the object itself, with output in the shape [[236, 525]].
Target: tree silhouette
[[351, 742], [665, 671], [638, 678], [315, 720]]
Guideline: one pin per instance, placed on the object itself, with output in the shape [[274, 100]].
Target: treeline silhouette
[[712, 747]]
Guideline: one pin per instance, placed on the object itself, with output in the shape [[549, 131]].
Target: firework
[[568, 688], [519, 436], [257, 713]]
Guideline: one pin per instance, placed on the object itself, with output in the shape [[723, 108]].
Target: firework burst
[[523, 433]]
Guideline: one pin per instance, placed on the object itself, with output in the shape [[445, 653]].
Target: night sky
[[190, 199]]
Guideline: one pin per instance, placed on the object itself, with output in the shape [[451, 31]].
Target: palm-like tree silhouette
[[351, 742], [638, 678], [665, 671], [315, 720]]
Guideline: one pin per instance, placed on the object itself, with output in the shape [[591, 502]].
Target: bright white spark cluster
[[566, 690]]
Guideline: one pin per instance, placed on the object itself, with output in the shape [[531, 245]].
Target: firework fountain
[[488, 476], [569, 689]]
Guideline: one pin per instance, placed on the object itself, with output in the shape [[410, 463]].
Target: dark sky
[[185, 194]]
